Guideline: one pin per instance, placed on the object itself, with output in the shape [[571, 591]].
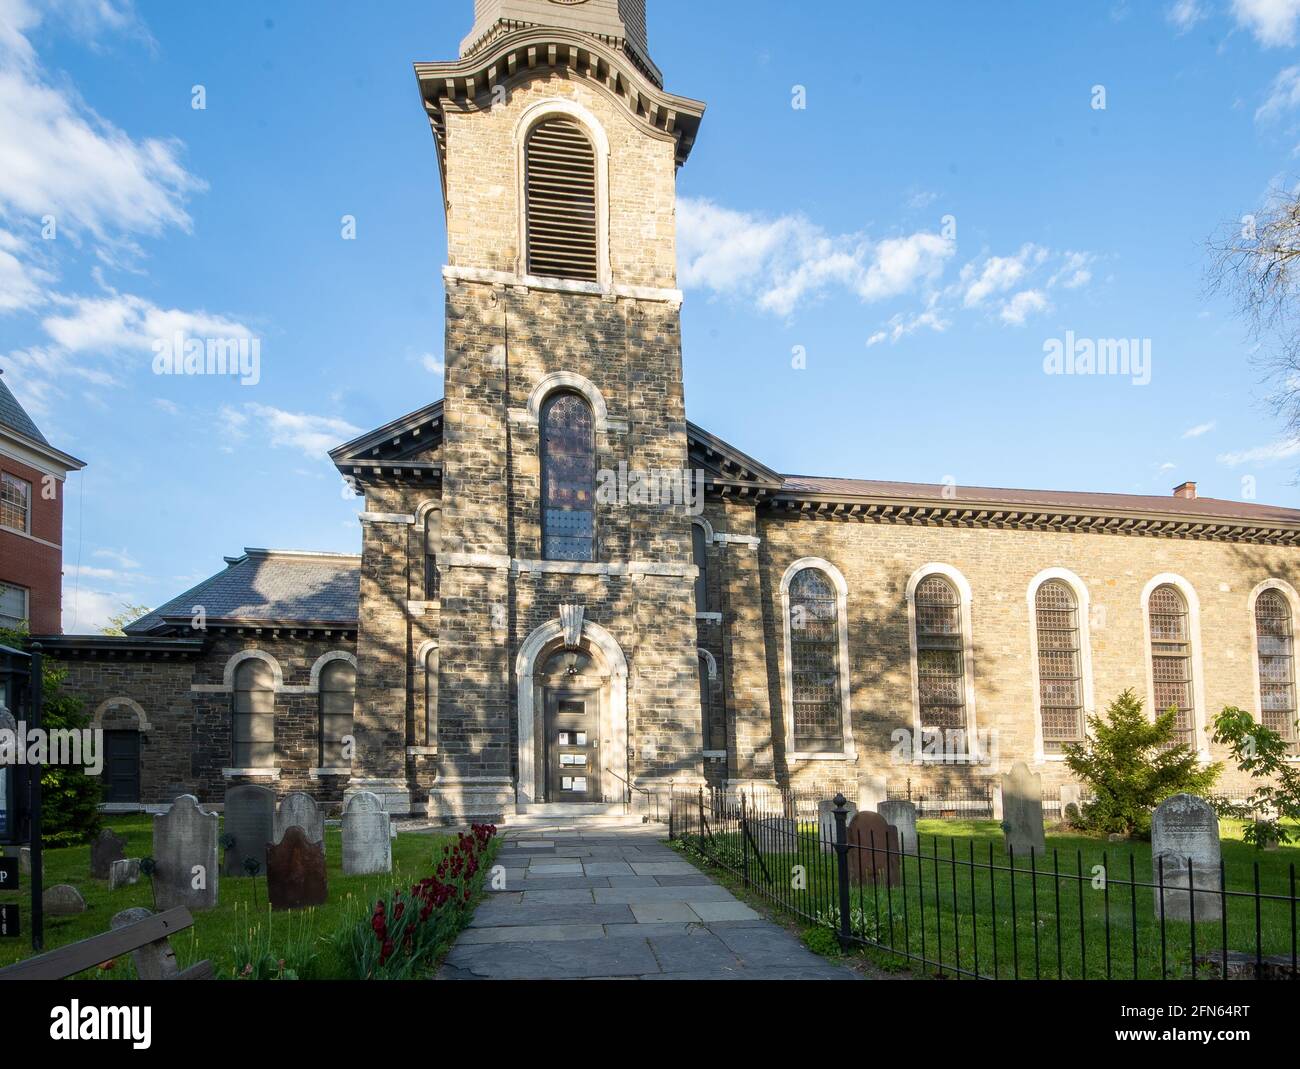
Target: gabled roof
[[17, 425], [270, 588], [397, 451]]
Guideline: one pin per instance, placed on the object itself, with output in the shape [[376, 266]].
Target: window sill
[[715, 755], [323, 773], [709, 617], [250, 773], [422, 751], [823, 756]]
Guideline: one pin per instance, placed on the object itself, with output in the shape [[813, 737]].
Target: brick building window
[[253, 727], [568, 441], [1171, 659], [940, 655], [815, 685], [700, 556], [338, 688], [15, 503], [14, 607], [1275, 643], [561, 201], [1060, 665]]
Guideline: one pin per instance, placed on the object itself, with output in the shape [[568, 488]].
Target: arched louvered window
[[253, 722], [561, 196], [338, 688], [1060, 665], [1275, 643], [814, 663], [1171, 659], [700, 555], [940, 657], [568, 433]]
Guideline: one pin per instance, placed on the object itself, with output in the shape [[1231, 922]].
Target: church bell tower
[[558, 150]]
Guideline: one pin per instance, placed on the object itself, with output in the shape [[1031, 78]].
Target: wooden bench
[[150, 935]]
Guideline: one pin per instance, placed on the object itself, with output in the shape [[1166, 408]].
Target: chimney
[[1186, 490]]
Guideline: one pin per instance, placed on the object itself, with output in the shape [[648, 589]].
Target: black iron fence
[[967, 907], [965, 801]]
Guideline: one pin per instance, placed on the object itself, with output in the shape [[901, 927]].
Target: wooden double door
[[572, 751]]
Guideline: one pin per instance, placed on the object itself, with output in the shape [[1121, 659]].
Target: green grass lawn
[[948, 911], [241, 920]]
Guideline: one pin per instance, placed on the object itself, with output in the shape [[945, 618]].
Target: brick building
[[32, 477], [545, 612]]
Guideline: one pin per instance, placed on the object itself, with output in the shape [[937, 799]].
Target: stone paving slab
[[619, 904]]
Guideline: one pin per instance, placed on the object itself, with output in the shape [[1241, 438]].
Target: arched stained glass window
[[1060, 665], [940, 656], [568, 478], [815, 669]]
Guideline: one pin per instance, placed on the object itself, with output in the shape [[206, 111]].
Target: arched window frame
[[1084, 604], [963, 589], [428, 659], [537, 113], [849, 751], [708, 669], [238, 671], [701, 537], [543, 481], [327, 737], [1292, 599], [1200, 741]]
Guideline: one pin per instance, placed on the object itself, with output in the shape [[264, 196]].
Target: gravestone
[[295, 871], [872, 790], [873, 850], [367, 836], [185, 852], [124, 873], [901, 815], [826, 824], [777, 835], [1185, 847], [109, 847], [300, 810], [62, 900], [250, 820], [1022, 811], [153, 961]]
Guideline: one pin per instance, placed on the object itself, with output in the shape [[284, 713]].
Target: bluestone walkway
[[605, 903]]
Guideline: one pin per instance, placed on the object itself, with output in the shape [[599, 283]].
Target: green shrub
[[1262, 754], [1132, 764]]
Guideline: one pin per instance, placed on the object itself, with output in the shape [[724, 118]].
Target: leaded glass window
[[431, 539], [815, 663], [338, 688], [940, 658], [1171, 659], [1060, 665], [1275, 642], [568, 479], [253, 727]]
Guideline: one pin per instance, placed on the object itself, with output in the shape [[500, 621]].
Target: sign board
[[9, 922], [8, 874]]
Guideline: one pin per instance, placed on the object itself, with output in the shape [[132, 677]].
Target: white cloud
[[998, 274], [120, 557], [900, 326], [1264, 454], [1199, 430], [22, 284], [1023, 305], [1075, 271], [121, 322], [1273, 22], [434, 365], [1283, 96], [88, 610], [1168, 465], [1185, 14], [311, 435]]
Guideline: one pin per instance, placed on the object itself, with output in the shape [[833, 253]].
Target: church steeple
[[618, 23]]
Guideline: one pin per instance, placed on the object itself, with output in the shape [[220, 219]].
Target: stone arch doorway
[[572, 703]]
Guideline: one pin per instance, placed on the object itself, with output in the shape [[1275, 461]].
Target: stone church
[[569, 596]]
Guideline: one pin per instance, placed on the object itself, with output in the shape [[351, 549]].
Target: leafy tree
[[1261, 753], [69, 797], [130, 614], [1132, 764]]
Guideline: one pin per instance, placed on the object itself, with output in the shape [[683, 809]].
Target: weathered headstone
[[367, 836], [300, 810], [295, 871], [873, 850], [109, 847], [124, 873], [250, 821], [185, 852], [1071, 794], [826, 823], [153, 961], [1022, 811], [777, 835], [62, 900], [901, 815], [1185, 857]]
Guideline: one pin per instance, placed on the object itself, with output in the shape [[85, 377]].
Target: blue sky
[[818, 230]]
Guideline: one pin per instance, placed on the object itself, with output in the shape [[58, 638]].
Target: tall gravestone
[[153, 961], [873, 851], [901, 815], [300, 810], [826, 824], [872, 790], [1185, 856], [250, 821], [185, 853], [1022, 811], [367, 837], [295, 871], [109, 847]]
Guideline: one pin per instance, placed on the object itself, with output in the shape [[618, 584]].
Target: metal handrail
[[633, 787]]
